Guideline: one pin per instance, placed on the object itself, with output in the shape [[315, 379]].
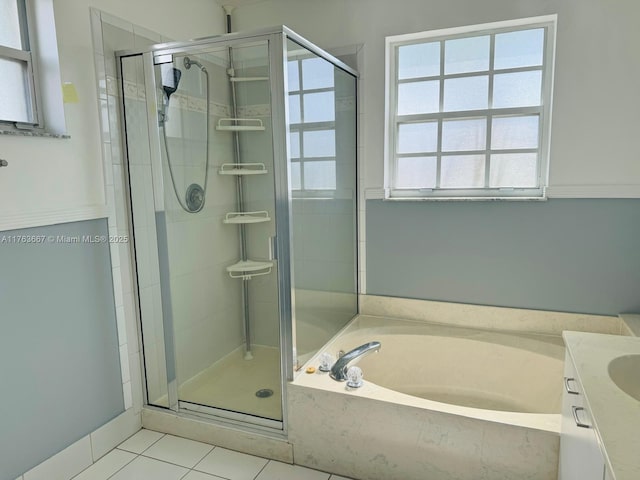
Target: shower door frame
[[276, 40]]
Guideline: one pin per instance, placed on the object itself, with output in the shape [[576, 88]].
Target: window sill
[[465, 199], [29, 133], [383, 194]]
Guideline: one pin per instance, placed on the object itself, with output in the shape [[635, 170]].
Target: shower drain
[[264, 393]]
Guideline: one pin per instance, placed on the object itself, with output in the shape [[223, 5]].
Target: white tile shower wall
[[206, 302], [111, 34], [104, 45], [145, 239], [263, 298], [253, 102]]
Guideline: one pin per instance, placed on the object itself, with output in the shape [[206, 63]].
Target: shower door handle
[[273, 248]]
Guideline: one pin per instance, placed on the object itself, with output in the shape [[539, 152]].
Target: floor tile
[[143, 468], [232, 465], [284, 471], [179, 451], [140, 441], [193, 475], [106, 466]]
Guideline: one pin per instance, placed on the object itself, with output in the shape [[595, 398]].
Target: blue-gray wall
[[572, 255], [59, 359]]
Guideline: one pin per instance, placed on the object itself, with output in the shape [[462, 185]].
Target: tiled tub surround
[[376, 432]]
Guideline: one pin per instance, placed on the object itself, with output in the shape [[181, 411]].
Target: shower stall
[[241, 167]]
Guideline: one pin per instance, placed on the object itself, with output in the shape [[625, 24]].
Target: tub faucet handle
[[326, 361], [354, 377]]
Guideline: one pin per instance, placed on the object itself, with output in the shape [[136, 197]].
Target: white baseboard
[[85, 452]]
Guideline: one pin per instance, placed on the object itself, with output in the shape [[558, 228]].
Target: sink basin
[[625, 373]]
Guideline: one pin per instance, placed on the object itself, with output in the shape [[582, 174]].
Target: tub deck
[[419, 413]]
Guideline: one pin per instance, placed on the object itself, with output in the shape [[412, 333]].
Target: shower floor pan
[[239, 385]]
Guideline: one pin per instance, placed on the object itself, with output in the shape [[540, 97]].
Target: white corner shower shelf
[[246, 269], [247, 217], [240, 124], [242, 169]]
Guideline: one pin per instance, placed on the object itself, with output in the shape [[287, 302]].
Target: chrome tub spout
[[339, 369]]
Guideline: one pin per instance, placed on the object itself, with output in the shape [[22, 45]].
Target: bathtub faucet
[[339, 369]]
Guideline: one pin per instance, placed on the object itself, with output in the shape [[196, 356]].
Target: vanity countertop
[[616, 415]]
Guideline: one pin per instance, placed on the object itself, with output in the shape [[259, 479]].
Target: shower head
[[188, 62], [170, 81]]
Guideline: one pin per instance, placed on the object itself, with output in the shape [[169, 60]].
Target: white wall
[[65, 176], [62, 180], [596, 100]]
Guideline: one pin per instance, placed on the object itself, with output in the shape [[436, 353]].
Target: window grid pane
[[462, 171], [10, 25], [313, 148], [416, 172], [466, 55], [514, 82], [419, 60], [418, 137], [15, 98], [519, 49]]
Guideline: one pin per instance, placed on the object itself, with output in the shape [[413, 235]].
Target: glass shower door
[[322, 158], [213, 300]]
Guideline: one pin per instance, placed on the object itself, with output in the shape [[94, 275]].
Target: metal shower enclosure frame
[[276, 39]]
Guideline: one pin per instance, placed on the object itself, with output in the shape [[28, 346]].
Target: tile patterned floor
[[151, 455]]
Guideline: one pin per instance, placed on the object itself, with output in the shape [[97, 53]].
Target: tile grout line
[[193, 469], [151, 445], [117, 471], [210, 474], [261, 470], [171, 463], [93, 459], [189, 469]]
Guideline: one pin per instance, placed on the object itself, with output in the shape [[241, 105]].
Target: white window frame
[[544, 110], [26, 55]]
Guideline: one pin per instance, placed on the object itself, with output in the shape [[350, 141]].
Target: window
[[468, 111], [312, 125], [19, 103]]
